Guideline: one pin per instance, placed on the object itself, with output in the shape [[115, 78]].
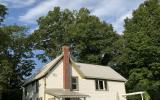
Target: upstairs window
[[74, 83], [101, 84]]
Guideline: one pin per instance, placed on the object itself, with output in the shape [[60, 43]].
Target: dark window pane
[[101, 85], [74, 80], [96, 84], [74, 86]]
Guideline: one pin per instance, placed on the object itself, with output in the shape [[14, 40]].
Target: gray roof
[[87, 70], [99, 72], [62, 93]]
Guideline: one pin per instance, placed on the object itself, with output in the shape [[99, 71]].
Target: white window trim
[[77, 84], [104, 86]]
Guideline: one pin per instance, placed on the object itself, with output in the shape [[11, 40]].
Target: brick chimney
[[66, 68]]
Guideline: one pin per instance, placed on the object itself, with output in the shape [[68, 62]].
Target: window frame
[[97, 85], [77, 83]]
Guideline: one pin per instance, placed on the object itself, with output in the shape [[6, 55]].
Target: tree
[[90, 38], [138, 56], [15, 57], [3, 12]]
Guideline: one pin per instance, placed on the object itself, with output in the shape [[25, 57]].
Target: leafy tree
[[3, 12], [138, 54], [90, 38], [15, 57]]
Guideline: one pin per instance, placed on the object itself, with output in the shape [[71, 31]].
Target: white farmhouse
[[64, 79]]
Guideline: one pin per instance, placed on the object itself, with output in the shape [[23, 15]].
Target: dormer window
[[74, 83], [101, 84]]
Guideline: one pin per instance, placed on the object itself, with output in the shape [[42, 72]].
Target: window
[[101, 85], [74, 83], [37, 87]]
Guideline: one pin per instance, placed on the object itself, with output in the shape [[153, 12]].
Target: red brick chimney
[[66, 68]]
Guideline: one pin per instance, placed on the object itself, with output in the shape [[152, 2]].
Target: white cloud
[[37, 11], [112, 11], [119, 23], [32, 30], [17, 3]]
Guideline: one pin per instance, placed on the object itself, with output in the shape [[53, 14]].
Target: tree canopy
[[3, 12], [90, 38], [138, 51], [15, 54]]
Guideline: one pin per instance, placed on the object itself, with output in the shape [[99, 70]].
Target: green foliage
[[138, 56], [15, 54], [147, 96], [3, 12], [90, 38]]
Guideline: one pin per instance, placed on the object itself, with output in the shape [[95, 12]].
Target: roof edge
[[32, 80], [76, 68]]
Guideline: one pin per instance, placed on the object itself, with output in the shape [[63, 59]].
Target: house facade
[[64, 79]]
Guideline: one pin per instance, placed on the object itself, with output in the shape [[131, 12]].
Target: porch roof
[[61, 93]]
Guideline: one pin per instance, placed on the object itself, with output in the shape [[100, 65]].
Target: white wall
[[87, 86], [55, 77]]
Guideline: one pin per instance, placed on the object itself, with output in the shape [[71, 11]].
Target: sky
[[26, 12]]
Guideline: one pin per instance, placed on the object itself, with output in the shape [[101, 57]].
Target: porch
[[61, 94]]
